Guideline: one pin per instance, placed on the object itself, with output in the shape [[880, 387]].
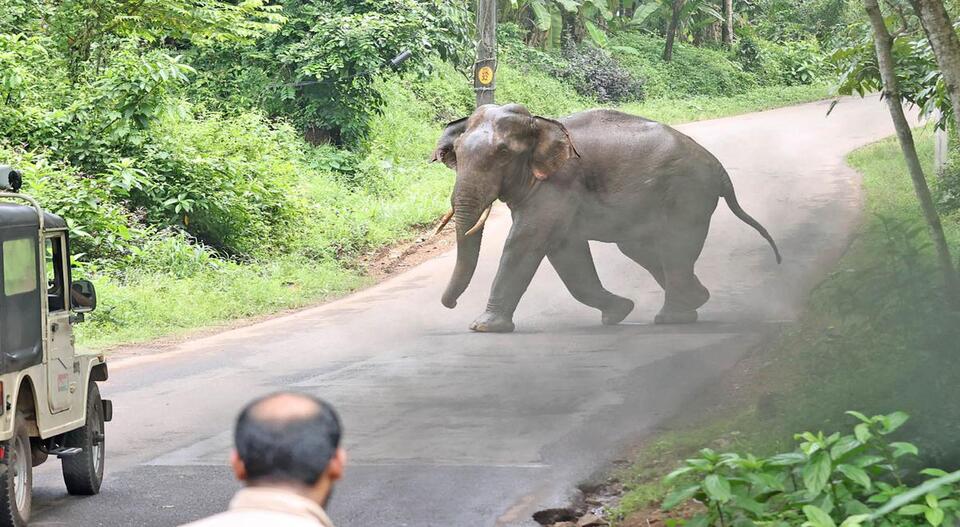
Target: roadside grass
[[875, 338], [340, 226]]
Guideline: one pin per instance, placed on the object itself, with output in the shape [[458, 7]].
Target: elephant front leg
[[574, 263], [521, 257]]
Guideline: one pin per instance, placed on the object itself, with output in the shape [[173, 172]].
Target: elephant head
[[498, 152]]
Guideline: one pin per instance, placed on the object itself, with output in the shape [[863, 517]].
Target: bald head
[[285, 407], [287, 438]]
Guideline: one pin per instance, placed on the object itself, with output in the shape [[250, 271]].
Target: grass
[[875, 338], [342, 224]]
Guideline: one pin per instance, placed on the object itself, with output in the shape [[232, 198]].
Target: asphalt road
[[449, 428]]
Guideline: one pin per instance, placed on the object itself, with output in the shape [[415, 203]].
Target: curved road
[[447, 428]]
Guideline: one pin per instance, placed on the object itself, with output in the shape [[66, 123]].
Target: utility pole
[[485, 69]]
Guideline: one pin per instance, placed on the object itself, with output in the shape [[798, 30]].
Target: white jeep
[[49, 400]]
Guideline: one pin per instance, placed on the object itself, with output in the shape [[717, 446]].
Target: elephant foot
[[618, 310], [676, 317], [492, 323]]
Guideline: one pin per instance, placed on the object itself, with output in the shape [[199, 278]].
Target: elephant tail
[[731, 198]]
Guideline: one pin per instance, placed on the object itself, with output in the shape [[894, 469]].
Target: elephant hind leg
[[646, 255], [679, 251], [574, 263]]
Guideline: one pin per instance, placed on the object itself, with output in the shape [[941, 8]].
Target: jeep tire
[[83, 472], [16, 482]]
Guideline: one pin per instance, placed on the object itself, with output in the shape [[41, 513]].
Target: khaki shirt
[[260, 506]]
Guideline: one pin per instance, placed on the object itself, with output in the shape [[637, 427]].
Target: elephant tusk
[[444, 221], [481, 221]]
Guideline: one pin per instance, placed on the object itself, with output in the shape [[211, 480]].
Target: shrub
[[540, 92], [693, 71], [790, 63], [595, 74], [226, 181], [828, 480], [99, 227]]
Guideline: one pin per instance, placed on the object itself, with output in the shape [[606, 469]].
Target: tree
[[728, 22], [891, 92], [672, 30], [938, 26]]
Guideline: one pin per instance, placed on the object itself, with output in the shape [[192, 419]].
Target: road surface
[[448, 428]]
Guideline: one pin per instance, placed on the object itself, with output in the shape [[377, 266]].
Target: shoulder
[[252, 518]]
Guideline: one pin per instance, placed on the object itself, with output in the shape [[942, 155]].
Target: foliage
[[920, 80], [787, 20], [326, 58], [595, 74], [693, 71], [546, 19], [788, 63], [828, 480]]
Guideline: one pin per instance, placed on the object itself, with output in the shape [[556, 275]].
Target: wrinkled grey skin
[[596, 175]]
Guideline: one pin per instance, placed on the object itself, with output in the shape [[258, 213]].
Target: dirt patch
[[393, 259], [377, 266]]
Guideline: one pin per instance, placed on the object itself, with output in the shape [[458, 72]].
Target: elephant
[[595, 175]]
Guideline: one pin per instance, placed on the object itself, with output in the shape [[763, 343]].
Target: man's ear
[[444, 151], [239, 469], [337, 465], [552, 149]]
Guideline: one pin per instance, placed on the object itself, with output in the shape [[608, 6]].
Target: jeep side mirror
[[83, 296]]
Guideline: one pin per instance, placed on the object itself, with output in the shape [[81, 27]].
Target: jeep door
[[62, 372]]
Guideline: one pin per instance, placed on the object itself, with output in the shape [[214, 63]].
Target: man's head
[[289, 440]]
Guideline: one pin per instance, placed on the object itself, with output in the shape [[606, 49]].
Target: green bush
[[595, 74], [99, 227], [693, 71], [225, 180], [790, 63], [828, 480]]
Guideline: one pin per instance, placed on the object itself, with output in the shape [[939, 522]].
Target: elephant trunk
[[467, 216]]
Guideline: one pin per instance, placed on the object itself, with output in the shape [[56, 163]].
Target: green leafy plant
[[827, 481]]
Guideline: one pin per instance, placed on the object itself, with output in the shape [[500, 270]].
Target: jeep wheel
[[17, 480], [83, 472]]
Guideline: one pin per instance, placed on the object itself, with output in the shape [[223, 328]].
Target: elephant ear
[[553, 148], [444, 151]]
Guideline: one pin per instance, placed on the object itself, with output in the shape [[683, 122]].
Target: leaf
[[817, 472], [855, 520], [934, 517], [541, 15], [862, 431], [844, 446], [717, 488], [901, 449], [783, 460], [571, 6], [856, 475], [677, 473], [912, 510], [817, 518], [596, 35], [679, 496], [643, 13], [894, 421], [867, 461]]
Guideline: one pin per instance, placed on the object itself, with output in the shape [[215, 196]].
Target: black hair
[[295, 449]]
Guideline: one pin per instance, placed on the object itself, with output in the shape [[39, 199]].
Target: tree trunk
[[728, 22], [672, 30], [891, 92], [946, 46]]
